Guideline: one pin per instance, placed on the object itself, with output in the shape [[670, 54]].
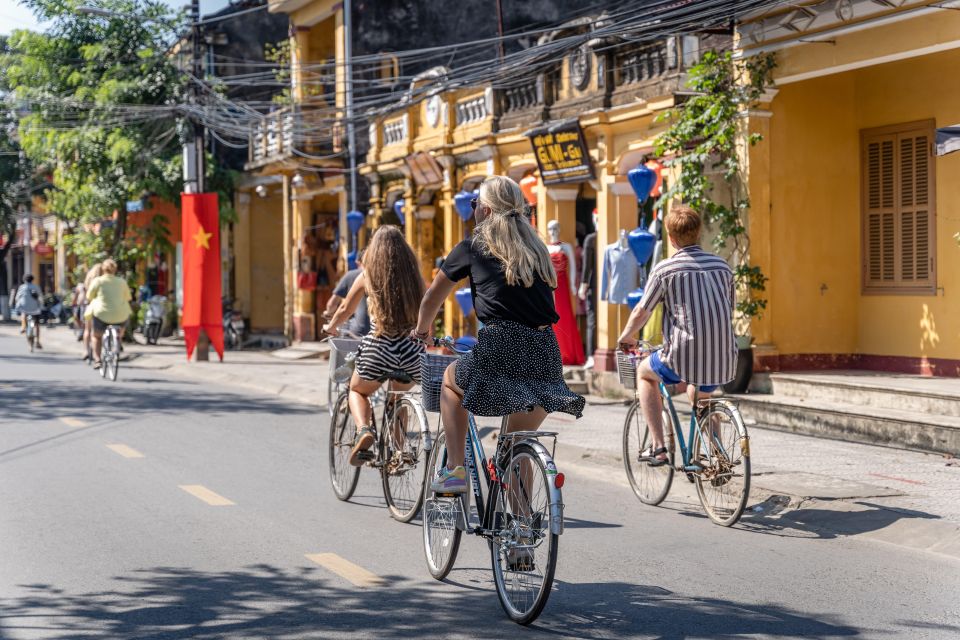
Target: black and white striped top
[[697, 292]]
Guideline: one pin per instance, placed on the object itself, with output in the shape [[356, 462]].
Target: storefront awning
[[948, 140]]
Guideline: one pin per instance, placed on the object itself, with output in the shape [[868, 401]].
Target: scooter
[[54, 310], [153, 318], [234, 326]]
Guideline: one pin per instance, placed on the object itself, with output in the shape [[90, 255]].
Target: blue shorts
[[669, 376]]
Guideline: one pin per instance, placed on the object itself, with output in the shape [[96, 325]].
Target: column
[[288, 285], [453, 227], [241, 248], [616, 210], [304, 316]]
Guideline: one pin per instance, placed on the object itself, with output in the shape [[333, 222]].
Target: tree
[[13, 172], [706, 133], [103, 101]]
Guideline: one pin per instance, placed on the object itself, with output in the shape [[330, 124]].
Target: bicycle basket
[[340, 348], [627, 369], [432, 368]]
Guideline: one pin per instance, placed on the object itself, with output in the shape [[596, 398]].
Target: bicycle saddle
[[397, 376]]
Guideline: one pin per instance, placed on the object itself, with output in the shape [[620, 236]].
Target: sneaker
[[450, 481]]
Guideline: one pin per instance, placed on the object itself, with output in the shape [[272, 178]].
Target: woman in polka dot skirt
[[515, 369]]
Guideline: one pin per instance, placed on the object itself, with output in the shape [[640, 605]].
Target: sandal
[[651, 456], [364, 441]]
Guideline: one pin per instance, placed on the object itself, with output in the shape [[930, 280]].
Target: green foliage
[[706, 133], [279, 54]]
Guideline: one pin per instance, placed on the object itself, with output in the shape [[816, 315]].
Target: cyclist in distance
[[393, 287], [109, 299], [697, 291], [27, 303], [515, 368], [359, 323], [87, 310]]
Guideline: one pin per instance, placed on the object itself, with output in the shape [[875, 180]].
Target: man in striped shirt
[[697, 292]]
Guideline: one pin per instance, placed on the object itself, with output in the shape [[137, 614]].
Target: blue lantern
[[642, 179], [465, 300], [465, 343], [354, 221], [398, 210], [633, 298], [461, 203], [641, 244], [352, 260]]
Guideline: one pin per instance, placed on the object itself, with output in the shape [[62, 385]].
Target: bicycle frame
[[474, 457], [685, 453]]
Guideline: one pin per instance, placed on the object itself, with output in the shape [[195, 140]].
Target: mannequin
[[621, 273], [568, 336], [588, 288]]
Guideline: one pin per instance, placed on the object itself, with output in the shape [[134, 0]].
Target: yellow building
[[437, 143], [291, 195], [853, 217]]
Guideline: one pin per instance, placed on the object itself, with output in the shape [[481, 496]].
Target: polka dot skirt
[[512, 369]]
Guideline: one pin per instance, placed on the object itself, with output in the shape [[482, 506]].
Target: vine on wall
[[706, 134]]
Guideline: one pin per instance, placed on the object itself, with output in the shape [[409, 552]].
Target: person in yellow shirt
[[109, 297]]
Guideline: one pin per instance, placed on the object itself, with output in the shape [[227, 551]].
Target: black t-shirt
[[360, 322], [493, 298]]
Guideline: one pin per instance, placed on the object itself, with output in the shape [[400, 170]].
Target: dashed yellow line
[[124, 450], [346, 569], [210, 497], [72, 422]]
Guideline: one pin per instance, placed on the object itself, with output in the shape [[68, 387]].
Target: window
[[898, 209]]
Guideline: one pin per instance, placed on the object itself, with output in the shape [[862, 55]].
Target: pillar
[[304, 315], [454, 323], [288, 275], [241, 249]]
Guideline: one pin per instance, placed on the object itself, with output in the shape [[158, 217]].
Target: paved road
[[156, 507]]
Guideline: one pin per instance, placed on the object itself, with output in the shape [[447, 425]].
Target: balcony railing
[[296, 130], [395, 131], [470, 110]]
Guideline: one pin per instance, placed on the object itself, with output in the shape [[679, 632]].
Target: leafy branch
[[706, 135]]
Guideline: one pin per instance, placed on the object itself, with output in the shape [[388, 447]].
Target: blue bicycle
[[519, 506], [717, 461]]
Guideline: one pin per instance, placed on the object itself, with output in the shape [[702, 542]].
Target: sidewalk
[[801, 485]]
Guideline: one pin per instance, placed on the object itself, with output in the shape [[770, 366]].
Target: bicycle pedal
[[365, 456]]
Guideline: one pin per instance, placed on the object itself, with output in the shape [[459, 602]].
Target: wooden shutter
[[898, 209]]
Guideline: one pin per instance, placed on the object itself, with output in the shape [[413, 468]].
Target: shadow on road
[[268, 602]]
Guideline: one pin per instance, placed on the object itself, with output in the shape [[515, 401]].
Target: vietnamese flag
[[201, 270]]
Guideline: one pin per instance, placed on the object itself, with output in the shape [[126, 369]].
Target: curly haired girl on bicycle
[[393, 286], [515, 369]]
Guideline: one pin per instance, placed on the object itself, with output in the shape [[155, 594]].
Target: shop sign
[[561, 153]]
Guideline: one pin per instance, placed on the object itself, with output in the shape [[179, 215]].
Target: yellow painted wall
[[815, 213]]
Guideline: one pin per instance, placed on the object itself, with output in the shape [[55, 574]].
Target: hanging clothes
[[588, 280], [568, 336], [621, 274]]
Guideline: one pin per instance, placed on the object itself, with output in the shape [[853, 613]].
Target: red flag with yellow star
[[201, 270]]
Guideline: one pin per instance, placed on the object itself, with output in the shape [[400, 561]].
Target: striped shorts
[[379, 356]]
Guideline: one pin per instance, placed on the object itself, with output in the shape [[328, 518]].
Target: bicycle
[[402, 440], [31, 331], [717, 462], [521, 517], [338, 358], [110, 353]]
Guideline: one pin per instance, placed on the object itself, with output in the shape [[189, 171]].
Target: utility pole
[[500, 28], [351, 133]]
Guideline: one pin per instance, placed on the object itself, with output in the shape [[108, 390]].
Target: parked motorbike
[[234, 327], [153, 318], [54, 310]]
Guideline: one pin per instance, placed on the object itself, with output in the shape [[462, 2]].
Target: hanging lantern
[[398, 210], [634, 297], [465, 343], [461, 202], [529, 187], [354, 221], [642, 179], [352, 260], [465, 300], [641, 244]]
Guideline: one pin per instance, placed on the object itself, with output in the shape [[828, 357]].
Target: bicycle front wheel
[[403, 463], [650, 484], [343, 476], [523, 550], [441, 535], [722, 448]]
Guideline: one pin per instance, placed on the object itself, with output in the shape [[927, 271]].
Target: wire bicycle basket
[[432, 368]]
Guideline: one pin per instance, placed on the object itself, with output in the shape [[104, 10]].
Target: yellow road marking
[[36, 403], [124, 450], [72, 422], [346, 569], [210, 497]]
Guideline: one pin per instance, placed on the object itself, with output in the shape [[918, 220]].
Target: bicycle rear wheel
[[722, 448], [343, 476], [401, 444], [441, 535], [650, 484], [523, 550]]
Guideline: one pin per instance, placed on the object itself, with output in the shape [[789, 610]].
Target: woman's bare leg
[[454, 417]]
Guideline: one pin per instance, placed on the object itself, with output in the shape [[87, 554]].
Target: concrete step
[[935, 396], [577, 379], [817, 415]]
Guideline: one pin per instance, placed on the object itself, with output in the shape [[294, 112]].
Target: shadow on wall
[[268, 602]]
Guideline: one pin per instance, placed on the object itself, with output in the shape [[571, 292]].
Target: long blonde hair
[[508, 236], [95, 272], [393, 282]]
